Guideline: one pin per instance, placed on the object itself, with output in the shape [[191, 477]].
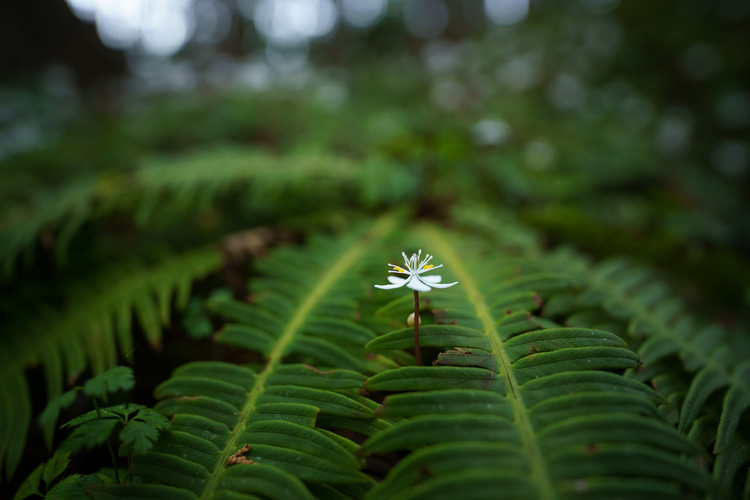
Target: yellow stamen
[[399, 269], [428, 266]]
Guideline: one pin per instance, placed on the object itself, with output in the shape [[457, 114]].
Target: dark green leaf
[[89, 434], [73, 488], [55, 466], [138, 436], [30, 485], [119, 378]]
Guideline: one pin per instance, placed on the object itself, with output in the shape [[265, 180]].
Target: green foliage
[[141, 425], [687, 359], [515, 400], [517, 404], [72, 487], [544, 358], [235, 430], [140, 428], [119, 378], [87, 335], [658, 322], [161, 187], [311, 297]]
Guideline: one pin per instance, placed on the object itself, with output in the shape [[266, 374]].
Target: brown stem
[[417, 352]]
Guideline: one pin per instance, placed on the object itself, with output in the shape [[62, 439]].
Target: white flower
[[414, 268]]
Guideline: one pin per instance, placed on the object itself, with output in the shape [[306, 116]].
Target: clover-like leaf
[[113, 380], [142, 431], [89, 434], [153, 418], [120, 412], [54, 467], [138, 436]]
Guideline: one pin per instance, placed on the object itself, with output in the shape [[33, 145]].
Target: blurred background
[[619, 127], [135, 131]]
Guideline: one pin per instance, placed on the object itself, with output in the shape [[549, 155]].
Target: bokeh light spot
[[166, 29], [506, 12], [490, 133], [291, 22], [363, 13]]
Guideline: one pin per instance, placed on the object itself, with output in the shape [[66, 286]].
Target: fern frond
[[88, 333], [235, 431], [635, 303], [512, 385], [61, 212], [195, 181], [634, 295]]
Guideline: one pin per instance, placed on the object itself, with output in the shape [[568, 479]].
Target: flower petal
[[443, 285], [431, 279], [388, 287], [396, 280], [416, 284]]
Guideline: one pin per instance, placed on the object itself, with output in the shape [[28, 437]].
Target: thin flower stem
[[417, 352], [109, 445]]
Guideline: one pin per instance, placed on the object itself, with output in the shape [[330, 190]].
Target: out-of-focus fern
[[60, 212], [239, 431], [519, 405], [88, 332], [194, 181], [711, 359]]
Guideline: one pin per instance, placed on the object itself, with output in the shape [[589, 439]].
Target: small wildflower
[[413, 268]]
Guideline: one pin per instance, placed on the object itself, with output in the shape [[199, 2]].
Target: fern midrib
[[642, 312], [379, 230], [465, 280]]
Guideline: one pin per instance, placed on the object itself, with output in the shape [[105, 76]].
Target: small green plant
[[139, 425], [72, 487]]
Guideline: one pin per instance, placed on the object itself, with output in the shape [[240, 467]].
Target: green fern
[[635, 303], [519, 405], [87, 334], [274, 418], [165, 186], [659, 321], [59, 212]]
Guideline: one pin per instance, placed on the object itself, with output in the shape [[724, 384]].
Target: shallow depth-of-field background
[[170, 168]]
